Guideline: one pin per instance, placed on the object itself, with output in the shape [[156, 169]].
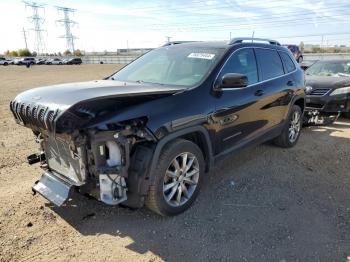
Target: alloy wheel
[[181, 179], [294, 127]]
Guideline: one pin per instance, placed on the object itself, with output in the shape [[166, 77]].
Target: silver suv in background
[[25, 61], [4, 61], [55, 61]]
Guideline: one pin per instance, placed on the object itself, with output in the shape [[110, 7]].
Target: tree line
[[27, 52]]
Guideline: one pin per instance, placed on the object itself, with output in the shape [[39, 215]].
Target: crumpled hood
[[331, 82], [69, 106], [64, 96]]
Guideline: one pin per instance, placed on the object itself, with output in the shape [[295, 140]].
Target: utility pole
[[37, 21], [168, 38], [25, 38], [230, 36], [67, 23]]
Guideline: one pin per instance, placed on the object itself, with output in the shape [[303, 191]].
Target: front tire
[[291, 131], [177, 180]]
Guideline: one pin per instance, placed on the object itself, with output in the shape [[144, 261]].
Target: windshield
[[329, 69], [183, 65]]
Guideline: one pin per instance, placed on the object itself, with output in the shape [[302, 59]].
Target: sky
[[106, 25]]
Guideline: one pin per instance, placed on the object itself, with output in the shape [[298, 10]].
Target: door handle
[[290, 83], [259, 92]]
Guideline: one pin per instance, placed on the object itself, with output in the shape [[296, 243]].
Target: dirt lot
[[265, 204]]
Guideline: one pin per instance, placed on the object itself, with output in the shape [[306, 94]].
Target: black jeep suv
[[150, 132]]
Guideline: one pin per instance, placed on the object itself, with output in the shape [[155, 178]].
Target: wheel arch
[[300, 102], [196, 134]]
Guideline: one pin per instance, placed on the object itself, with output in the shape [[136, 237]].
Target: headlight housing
[[340, 91]]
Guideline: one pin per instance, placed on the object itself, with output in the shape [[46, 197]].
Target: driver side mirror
[[232, 80]]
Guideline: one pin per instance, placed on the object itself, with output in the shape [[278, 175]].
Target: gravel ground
[[265, 204]]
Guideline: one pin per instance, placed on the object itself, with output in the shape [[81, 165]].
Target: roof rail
[[241, 39], [178, 42]]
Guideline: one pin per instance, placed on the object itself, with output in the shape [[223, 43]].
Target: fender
[[143, 175], [295, 98], [161, 143]]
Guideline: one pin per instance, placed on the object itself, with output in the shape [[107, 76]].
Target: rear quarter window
[[270, 63], [288, 62]]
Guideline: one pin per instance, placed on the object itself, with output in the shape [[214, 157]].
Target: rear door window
[[288, 62], [270, 63]]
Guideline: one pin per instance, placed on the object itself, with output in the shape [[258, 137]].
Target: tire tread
[[152, 195]]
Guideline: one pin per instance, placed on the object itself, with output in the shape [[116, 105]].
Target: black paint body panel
[[229, 117]]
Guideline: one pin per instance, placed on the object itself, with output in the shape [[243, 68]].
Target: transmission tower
[[37, 21], [67, 23]]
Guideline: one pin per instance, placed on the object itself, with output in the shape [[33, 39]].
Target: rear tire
[[177, 179], [291, 131]]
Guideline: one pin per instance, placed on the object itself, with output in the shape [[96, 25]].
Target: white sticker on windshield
[[201, 56]]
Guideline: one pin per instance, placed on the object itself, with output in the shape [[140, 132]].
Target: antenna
[[37, 21], [67, 23]]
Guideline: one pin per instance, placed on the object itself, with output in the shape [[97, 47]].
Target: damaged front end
[[93, 161]]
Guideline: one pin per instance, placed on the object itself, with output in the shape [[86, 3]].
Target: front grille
[[59, 158], [34, 115], [319, 91], [314, 105]]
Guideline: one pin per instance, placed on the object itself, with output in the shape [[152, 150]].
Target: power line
[[190, 10], [37, 21], [269, 17], [199, 4], [67, 23], [319, 15], [267, 24]]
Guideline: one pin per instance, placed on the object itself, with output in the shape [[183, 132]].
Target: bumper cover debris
[[53, 188]]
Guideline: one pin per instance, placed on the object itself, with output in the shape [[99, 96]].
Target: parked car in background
[[25, 61], [54, 61], [74, 61], [296, 52], [4, 61], [328, 91], [41, 61], [148, 133]]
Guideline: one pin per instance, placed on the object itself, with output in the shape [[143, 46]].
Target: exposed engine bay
[[95, 162]]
